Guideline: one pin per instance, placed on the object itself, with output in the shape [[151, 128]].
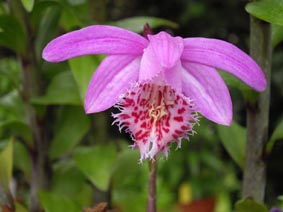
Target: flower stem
[[151, 199], [257, 115]]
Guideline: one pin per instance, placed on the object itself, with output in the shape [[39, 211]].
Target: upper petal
[[206, 87], [166, 48], [97, 39], [112, 78], [223, 55], [173, 77], [162, 53]]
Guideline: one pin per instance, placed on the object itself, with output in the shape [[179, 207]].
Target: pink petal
[[98, 39], [166, 48], [223, 55], [112, 78], [205, 86], [173, 77], [150, 67], [162, 53]]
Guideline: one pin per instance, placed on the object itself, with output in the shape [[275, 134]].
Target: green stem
[[258, 115], [30, 76], [151, 199]]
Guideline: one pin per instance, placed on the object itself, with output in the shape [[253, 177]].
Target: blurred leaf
[[61, 90], [76, 14], [129, 180], [39, 10], [82, 69], [233, 81], [166, 198], [234, 139], [211, 160], [72, 126], [194, 162], [248, 205], [10, 69], [276, 135], [52, 202], [277, 34], [67, 180], [20, 208], [28, 4], [12, 106], [21, 158], [76, 2], [136, 23], [6, 165], [267, 10], [127, 164], [12, 34], [17, 128], [70, 19], [223, 203], [171, 173], [130, 177], [45, 17], [96, 163], [3, 9]]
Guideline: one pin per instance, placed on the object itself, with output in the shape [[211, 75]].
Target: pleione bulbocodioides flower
[[159, 82]]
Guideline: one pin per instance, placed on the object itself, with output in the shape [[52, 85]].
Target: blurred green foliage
[[85, 165]]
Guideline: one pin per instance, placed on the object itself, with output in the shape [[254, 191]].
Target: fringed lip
[[156, 115]]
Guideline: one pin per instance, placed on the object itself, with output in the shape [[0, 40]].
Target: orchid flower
[[159, 82]]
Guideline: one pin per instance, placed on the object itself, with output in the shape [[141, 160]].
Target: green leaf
[[234, 82], [136, 24], [12, 34], [40, 8], [28, 4], [267, 10], [277, 35], [127, 165], [276, 135], [129, 180], [82, 69], [10, 69], [21, 158], [52, 202], [248, 205], [20, 208], [234, 139], [70, 17], [67, 180], [96, 163], [12, 106], [61, 90], [46, 17], [18, 128], [72, 126], [223, 203], [6, 165]]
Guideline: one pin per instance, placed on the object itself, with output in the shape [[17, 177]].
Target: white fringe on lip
[[157, 104]]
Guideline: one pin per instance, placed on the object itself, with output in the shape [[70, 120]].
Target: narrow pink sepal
[[162, 53], [211, 96], [225, 56], [112, 78], [97, 39]]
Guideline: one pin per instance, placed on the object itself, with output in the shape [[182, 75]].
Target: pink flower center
[[155, 115]]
